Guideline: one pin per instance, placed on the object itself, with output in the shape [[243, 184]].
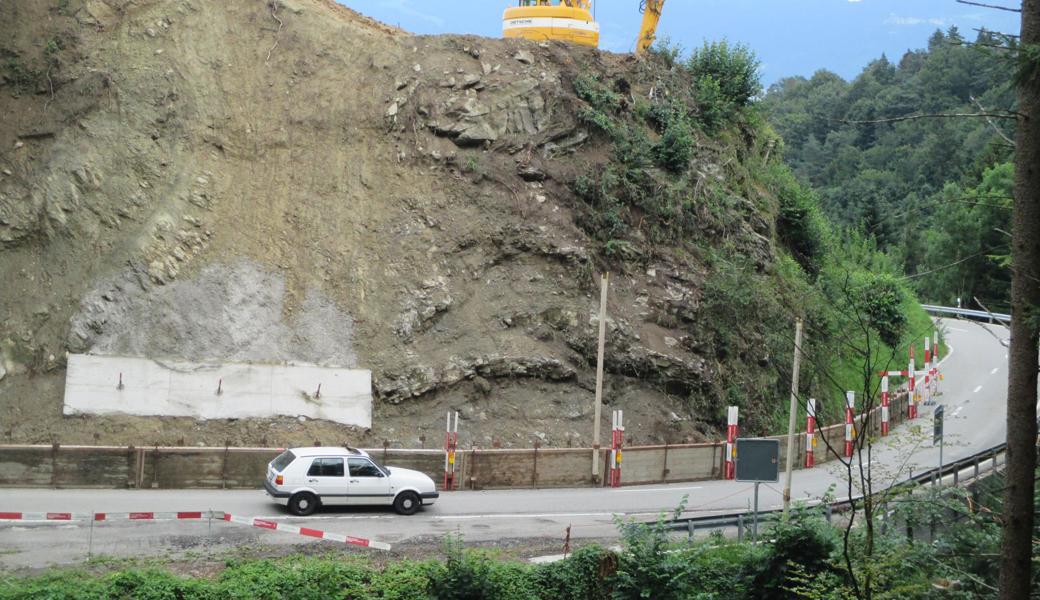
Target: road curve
[[974, 393]]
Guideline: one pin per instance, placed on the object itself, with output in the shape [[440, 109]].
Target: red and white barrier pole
[[850, 406], [305, 531], [926, 389], [810, 434], [732, 417], [884, 405], [935, 363], [911, 405], [108, 516], [451, 443], [617, 440]]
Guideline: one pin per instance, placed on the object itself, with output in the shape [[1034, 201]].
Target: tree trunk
[[1016, 550]]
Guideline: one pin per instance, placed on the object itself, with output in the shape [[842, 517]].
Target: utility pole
[[793, 413], [604, 282]]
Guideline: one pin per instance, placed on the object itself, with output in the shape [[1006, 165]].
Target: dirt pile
[[288, 180]]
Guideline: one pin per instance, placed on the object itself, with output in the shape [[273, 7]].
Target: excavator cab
[[542, 20]]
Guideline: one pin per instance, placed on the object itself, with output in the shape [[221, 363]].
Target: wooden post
[[131, 467], [604, 282], [792, 413]]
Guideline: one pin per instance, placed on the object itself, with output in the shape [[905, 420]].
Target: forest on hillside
[[933, 193]]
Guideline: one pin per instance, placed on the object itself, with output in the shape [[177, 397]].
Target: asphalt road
[[974, 394]]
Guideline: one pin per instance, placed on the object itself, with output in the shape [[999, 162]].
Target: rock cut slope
[[291, 181]]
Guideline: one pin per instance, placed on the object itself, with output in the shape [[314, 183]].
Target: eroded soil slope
[[288, 180]]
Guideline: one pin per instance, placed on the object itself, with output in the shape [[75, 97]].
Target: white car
[[305, 478]]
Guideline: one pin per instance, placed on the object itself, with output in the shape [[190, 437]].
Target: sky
[[790, 37]]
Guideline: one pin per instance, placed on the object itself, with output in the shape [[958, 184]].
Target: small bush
[[805, 540], [590, 89], [733, 68], [883, 298], [800, 224], [713, 108], [675, 148], [585, 575]]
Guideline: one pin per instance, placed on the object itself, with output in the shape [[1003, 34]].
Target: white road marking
[[636, 491], [977, 390], [955, 329], [994, 371], [459, 517], [958, 411], [535, 516]]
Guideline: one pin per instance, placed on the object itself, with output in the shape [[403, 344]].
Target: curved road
[[974, 393]]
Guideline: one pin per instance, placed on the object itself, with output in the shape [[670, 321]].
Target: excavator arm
[[651, 10]]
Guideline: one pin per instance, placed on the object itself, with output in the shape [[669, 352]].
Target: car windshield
[[283, 460]]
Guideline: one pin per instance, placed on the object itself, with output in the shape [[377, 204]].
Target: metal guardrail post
[[690, 529], [740, 528], [830, 513], [976, 460]]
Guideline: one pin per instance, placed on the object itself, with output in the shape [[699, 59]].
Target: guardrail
[[740, 520], [967, 312]]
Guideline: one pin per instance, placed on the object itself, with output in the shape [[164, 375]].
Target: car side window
[[362, 467], [326, 467]]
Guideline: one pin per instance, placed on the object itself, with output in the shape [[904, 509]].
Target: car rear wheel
[[406, 503], [303, 504]]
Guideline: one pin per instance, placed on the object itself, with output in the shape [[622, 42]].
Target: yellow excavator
[[572, 21]]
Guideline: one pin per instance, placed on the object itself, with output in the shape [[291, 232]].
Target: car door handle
[[355, 481], [312, 481]]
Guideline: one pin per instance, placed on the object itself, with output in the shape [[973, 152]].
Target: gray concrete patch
[[228, 312]]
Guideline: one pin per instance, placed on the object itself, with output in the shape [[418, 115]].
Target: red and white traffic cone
[[810, 434], [732, 416], [850, 405], [451, 443], [884, 405]]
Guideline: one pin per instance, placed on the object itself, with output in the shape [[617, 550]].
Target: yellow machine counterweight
[[572, 21], [541, 20]]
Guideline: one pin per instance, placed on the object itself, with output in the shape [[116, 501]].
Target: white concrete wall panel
[[185, 389]]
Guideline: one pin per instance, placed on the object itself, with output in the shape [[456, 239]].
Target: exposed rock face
[[330, 191], [417, 380], [233, 313], [515, 110]]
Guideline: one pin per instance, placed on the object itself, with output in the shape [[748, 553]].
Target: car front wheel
[[303, 504], [407, 503]]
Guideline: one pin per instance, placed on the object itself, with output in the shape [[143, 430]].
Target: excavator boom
[[651, 17]]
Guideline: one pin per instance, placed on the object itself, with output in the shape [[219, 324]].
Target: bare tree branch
[[984, 115], [1006, 36], [946, 266], [1003, 136], [993, 6]]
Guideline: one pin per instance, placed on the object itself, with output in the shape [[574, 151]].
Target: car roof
[[328, 451]]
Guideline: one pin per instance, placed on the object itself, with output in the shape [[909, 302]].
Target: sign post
[[758, 461], [937, 435]]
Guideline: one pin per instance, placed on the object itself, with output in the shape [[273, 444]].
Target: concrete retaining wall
[[100, 385], [119, 467]]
